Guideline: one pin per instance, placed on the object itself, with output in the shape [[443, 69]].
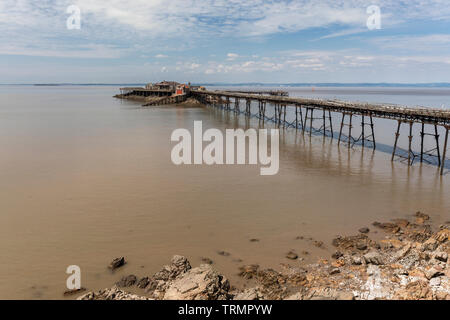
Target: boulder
[[201, 283], [143, 283], [364, 230], [291, 255], [442, 236], [117, 263], [373, 257], [127, 281], [441, 256], [111, 294], [178, 265], [433, 272], [247, 294]]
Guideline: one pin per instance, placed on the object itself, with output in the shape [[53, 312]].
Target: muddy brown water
[[85, 178]]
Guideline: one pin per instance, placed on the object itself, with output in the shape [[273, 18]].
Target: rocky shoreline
[[410, 263]]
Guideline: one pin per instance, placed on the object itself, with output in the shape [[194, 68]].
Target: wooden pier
[[306, 111], [280, 93], [131, 91], [174, 99]]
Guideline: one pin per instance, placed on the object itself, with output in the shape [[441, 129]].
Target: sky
[[224, 41]]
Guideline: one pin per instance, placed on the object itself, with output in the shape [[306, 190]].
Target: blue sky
[[224, 41]]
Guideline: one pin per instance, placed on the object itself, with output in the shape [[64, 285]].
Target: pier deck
[[305, 106]]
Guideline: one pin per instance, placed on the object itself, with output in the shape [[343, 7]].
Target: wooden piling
[[397, 134], [444, 153], [436, 136], [422, 135], [342, 126], [410, 142]]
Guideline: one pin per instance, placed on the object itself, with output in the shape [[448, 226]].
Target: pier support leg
[[311, 121], [331, 123], [264, 110], [362, 130], [280, 113], [306, 119], [397, 134], [324, 122], [422, 136], [301, 117], [350, 131], [436, 135], [342, 126], [410, 143], [444, 153], [373, 133]]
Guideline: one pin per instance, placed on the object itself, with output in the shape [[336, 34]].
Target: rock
[[295, 296], [388, 227], [350, 243], [179, 265], [442, 236], [361, 246], [402, 223], [421, 217], [440, 295], [433, 272], [143, 283], [127, 281], [430, 245], [318, 244], [364, 230], [152, 285], [254, 240], [207, 261], [356, 260], [434, 282], [249, 271], [201, 283], [291, 255], [223, 253], [111, 294], [403, 252], [335, 271], [373, 257], [73, 291], [337, 255], [247, 294], [345, 296], [117, 263], [391, 243], [441, 256]]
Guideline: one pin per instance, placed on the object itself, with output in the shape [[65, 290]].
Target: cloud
[[194, 32], [232, 56]]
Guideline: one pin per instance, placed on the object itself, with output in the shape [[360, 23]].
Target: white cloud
[[232, 56], [160, 56]]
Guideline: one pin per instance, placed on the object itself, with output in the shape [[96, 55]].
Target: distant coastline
[[257, 84]]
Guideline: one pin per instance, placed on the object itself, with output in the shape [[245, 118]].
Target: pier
[[281, 93], [308, 112]]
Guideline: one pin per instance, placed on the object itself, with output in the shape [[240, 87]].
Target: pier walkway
[[304, 109]]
